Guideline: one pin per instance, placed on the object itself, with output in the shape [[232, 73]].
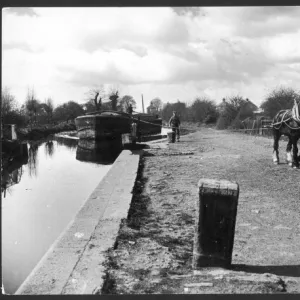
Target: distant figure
[[175, 124], [139, 133], [130, 109]]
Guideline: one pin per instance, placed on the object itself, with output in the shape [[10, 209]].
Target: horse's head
[[296, 110]]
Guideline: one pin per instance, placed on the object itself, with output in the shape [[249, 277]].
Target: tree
[[8, 105], [49, 107], [125, 101], [204, 110], [68, 111], [157, 103], [236, 101], [42, 115], [89, 106], [95, 96], [180, 107], [279, 99], [113, 97], [8, 102], [233, 110], [32, 104], [10, 112]]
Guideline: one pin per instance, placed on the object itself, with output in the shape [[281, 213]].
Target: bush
[[234, 110], [236, 123], [226, 116], [279, 99]]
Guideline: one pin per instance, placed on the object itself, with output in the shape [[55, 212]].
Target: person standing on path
[[175, 124]]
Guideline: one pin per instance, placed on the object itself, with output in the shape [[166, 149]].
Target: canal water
[[41, 195]]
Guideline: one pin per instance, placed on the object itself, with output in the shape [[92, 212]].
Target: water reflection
[[103, 152], [49, 148], [48, 190], [33, 158], [70, 143], [11, 172]]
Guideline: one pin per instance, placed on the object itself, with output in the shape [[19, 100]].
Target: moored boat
[[103, 124], [147, 124], [109, 124]]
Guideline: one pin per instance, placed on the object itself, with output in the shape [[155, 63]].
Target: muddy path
[[154, 249]]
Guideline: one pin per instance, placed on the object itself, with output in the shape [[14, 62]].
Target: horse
[[287, 122]]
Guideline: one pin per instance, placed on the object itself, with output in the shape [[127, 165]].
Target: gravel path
[[155, 243]]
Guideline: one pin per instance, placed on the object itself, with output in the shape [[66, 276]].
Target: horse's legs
[[276, 136], [295, 152], [289, 157]]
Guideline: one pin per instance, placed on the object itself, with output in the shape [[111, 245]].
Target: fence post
[[216, 211]]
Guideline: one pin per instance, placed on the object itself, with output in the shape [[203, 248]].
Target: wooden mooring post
[[216, 211]]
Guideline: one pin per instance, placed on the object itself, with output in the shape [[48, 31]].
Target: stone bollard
[[171, 137], [216, 211]]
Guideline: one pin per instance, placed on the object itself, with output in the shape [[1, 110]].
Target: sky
[[167, 52]]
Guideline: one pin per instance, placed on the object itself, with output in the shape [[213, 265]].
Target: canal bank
[[75, 264], [155, 243]]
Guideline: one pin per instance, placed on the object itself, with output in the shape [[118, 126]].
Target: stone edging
[[74, 264]]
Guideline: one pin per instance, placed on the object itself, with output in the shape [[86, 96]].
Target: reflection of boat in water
[[70, 143], [103, 152], [102, 124]]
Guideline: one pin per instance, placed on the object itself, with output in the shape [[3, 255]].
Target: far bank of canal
[[50, 190]]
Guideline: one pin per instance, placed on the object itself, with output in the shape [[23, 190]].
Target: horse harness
[[294, 116]]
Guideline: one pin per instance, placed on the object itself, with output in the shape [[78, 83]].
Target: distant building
[[247, 108]]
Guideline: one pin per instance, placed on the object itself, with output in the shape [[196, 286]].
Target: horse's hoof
[[275, 162], [290, 164], [296, 167]]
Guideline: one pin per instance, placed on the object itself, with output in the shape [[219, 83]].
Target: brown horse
[[287, 122]]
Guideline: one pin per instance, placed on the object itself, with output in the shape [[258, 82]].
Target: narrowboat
[[109, 124]]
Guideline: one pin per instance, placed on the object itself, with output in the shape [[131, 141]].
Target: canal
[[41, 195]]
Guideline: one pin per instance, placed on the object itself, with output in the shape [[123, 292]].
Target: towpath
[[154, 251]]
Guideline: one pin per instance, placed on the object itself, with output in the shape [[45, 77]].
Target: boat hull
[[97, 127], [147, 124], [103, 125]]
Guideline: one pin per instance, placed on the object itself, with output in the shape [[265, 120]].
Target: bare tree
[[96, 95], [113, 97], [32, 104], [8, 103]]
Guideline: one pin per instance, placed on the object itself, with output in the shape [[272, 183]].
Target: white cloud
[[171, 53]]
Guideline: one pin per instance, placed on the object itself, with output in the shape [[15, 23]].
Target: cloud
[[175, 53], [190, 11], [172, 31], [21, 11], [255, 22], [19, 45]]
